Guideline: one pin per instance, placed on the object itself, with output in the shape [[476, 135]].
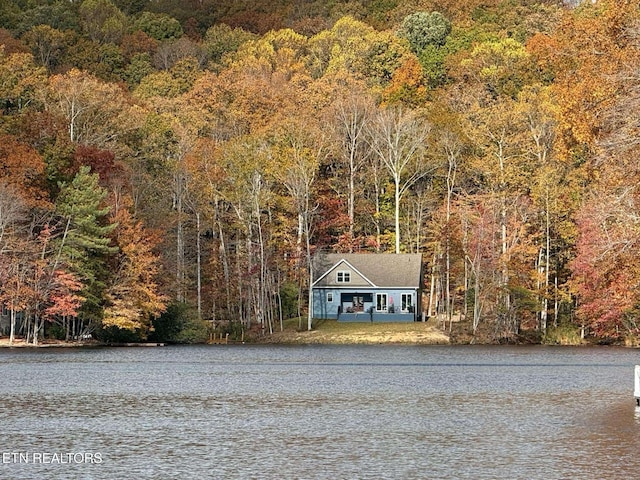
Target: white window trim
[[386, 302], [329, 297], [402, 297]]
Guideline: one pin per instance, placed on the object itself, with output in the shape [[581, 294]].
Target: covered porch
[[381, 317]]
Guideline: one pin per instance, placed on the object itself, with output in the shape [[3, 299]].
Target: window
[[358, 303], [381, 302], [329, 297], [343, 277], [407, 302]]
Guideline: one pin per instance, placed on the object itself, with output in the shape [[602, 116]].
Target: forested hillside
[[165, 162]]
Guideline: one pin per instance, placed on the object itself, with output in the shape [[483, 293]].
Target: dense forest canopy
[[167, 163]]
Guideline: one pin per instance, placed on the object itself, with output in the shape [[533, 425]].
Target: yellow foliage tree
[[133, 296]]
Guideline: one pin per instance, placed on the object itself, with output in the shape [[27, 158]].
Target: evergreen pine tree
[[85, 246]]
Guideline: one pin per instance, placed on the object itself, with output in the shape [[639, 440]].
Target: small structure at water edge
[[636, 390], [367, 287]]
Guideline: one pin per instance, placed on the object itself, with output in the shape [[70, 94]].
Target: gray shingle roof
[[382, 269]]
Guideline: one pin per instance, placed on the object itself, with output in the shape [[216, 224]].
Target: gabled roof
[[378, 269], [358, 279]]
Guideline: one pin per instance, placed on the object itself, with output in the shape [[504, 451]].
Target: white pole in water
[[636, 390]]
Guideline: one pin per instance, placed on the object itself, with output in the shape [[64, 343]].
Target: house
[[367, 287]]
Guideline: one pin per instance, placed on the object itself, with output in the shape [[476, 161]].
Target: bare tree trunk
[[222, 252], [351, 201], [28, 326], [465, 303], [396, 197], [476, 304], [502, 188], [12, 332], [253, 293], [545, 306], [198, 266], [262, 288], [352, 117], [378, 216], [539, 284], [432, 288], [279, 298], [178, 205], [244, 318], [555, 302], [298, 179], [36, 327], [310, 293], [451, 181]]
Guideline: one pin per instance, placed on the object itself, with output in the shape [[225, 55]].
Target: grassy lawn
[[334, 332]]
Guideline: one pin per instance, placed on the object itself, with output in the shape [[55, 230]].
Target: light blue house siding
[[371, 306], [368, 287]]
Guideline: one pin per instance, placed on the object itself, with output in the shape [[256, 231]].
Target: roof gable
[[356, 278], [378, 269]]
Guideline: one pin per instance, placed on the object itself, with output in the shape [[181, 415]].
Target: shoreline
[[48, 343], [384, 334], [20, 343], [334, 334], [328, 332]]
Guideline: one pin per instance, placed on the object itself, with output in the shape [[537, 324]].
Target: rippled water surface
[[316, 412]]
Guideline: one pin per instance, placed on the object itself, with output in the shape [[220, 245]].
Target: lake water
[[319, 412]]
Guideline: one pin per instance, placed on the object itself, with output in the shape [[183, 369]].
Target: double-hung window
[[407, 302], [381, 302]]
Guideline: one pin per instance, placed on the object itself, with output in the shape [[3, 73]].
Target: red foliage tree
[[63, 297], [23, 168]]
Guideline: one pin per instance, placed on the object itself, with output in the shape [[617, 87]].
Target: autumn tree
[[351, 117], [221, 40], [63, 300], [22, 168], [478, 221], [398, 137], [590, 46], [605, 269], [46, 44], [549, 192], [96, 112], [451, 151], [300, 151], [59, 15], [354, 48], [423, 28], [10, 43], [207, 202], [16, 293], [496, 67], [159, 25], [407, 86], [503, 136], [102, 21], [21, 81], [133, 296], [13, 238], [167, 83], [172, 51]]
